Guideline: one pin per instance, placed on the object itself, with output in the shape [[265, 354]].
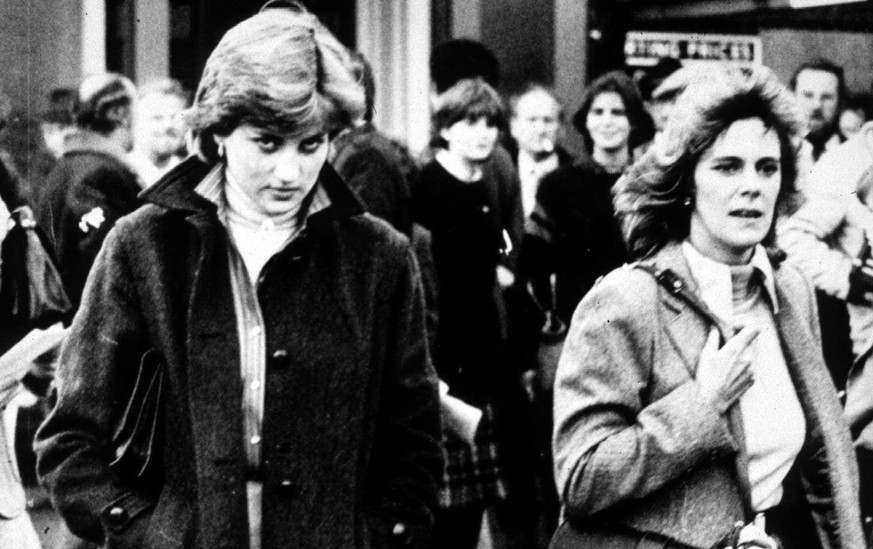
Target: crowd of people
[[285, 329]]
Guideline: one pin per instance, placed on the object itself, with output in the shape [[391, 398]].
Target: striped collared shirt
[[249, 319]]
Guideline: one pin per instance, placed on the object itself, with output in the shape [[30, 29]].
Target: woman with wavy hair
[[292, 401], [691, 394]]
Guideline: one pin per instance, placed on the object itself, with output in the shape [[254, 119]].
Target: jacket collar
[[176, 191], [672, 259], [81, 140], [714, 278]]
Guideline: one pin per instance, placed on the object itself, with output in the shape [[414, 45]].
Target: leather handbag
[[136, 436]]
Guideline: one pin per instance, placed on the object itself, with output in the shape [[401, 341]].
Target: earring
[[221, 149]]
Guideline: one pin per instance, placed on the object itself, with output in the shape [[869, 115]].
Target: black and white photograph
[[436, 274]]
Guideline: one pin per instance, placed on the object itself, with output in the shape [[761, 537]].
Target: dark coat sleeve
[[407, 459], [98, 363]]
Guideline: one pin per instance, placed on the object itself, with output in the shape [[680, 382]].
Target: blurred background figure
[[820, 87], [16, 528], [535, 119], [829, 239], [462, 58], [457, 203], [379, 170], [572, 232], [57, 121], [158, 129], [663, 97], [572, 237], [92, 185], [855, 111], [509, 520], [658, 104]]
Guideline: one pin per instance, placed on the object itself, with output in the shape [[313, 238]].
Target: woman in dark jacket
[[298, 406], [458, 203], [692, 394]]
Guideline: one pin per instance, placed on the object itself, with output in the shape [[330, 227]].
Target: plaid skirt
[[473, 474]]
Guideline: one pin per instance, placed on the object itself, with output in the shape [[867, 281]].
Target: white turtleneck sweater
[[773, 420], [257, 235]]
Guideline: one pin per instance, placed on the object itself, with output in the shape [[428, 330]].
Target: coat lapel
[[829, 457], [687, 319], [687, 325]]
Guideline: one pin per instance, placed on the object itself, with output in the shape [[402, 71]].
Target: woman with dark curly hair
[[692, 394]]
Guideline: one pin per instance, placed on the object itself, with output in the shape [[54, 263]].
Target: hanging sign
[[645, 49]]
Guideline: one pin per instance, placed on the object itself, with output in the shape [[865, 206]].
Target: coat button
[[280, 359], [117, 515], [286, 488]]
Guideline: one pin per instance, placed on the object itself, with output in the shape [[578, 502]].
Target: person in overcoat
[[692, 393], [92, 185], [298, 405]]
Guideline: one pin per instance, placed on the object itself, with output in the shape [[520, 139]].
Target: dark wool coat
[[89, 189], [639, 454], [572, 233], [380, 171], [351, 416]]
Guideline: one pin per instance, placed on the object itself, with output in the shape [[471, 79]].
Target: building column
[[151, 40], [394, 36], [571, 58], [93, 59]]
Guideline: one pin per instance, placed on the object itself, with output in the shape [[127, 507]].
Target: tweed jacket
[[639, 452], [350, 445]]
